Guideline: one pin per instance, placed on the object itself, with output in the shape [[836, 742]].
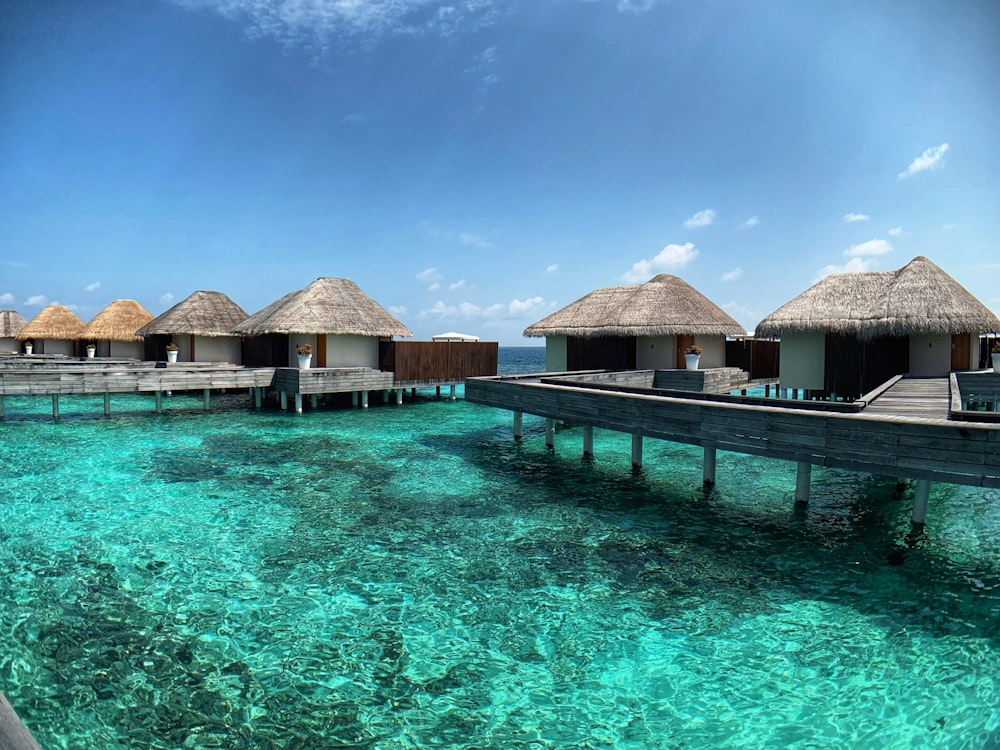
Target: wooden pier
[[906, 435]]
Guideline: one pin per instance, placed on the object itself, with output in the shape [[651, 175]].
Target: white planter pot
[[28, 348], [691, 361], [996, 362], [91, 351], [172, 356], [305, 360]]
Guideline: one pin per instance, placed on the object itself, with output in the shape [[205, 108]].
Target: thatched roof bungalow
[[114, 328], [645, 326], [11, 323], [850, 332], [341, 323], [201, 327], [55, 330]]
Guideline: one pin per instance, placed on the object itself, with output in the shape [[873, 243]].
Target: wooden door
[[961, 343], [683, 342]]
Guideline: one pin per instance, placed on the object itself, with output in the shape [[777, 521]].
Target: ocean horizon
[[412, 577]]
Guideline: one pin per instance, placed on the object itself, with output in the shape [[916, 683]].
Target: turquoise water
[[410, 577]]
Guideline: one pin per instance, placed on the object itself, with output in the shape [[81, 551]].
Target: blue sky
[[476, 164]]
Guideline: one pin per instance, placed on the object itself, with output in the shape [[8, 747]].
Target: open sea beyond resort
[[413, 577]]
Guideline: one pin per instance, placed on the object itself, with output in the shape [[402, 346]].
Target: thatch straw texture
[[664, 305], [54, 322], [327, 305], [201, 314], [119, 321], [11, 323], [917, 298]]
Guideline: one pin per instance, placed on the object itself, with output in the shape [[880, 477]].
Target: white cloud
[[69, 306], [6, 298], [552, 268], [742, 314], [37, 299], [469, 310], [397, 309], [929, 159], [166, 298], [92, 287], [671, 256], [457, 285], [431, 277], [635, 6], [734, 275], [439, 310], [518, 307], [751, 222], [474, 240], [481, 67], [701, 219], [869, 248], [895, 231], [854, 265], [850, 218]]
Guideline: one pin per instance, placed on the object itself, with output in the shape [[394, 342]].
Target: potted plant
[[29, 346], [172, 352], [691, 357], [91, 350], [305, 355], [996, 356]]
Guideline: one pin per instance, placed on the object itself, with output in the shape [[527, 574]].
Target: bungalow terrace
[[849, 333], [113, 329], [646, 326], [201, 328], [55, 330], [11, 324]]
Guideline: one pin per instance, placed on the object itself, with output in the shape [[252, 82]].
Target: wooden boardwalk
[[913, 397]]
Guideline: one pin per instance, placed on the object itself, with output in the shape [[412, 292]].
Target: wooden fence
[[438, 361]]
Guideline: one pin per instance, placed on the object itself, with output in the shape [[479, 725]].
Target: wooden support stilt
[[636, 450], [298, 403], [921, 496], [437, 391], [364, 399], [1, 406], [284, 400], [588, 441], [518, 425], [107, 404], [314, 401], [206, 398], [767, 390], [55, 406], [802, 477], [708, 469], [452, 392], [158, 398], [354, 399], [413, 393], [258, 397], [550, 433]]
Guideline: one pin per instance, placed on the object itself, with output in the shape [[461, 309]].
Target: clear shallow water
[[409, 577]]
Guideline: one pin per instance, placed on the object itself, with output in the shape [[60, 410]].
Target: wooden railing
[[444, 361]]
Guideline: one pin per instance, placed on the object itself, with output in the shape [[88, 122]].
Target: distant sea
[[412, 577], [515, 360]]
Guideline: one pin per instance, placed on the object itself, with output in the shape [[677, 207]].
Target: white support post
[[518, 425], [284, 400], [314, 401], [158, 398], [364, 399], [452, 391], [298, 403], [802, 477], [107, 404], [921, 496], [399, 396], [206, 398], [550, 433], [588, 441], [258, 397], [708, 470], [637, 450], [55, 406]]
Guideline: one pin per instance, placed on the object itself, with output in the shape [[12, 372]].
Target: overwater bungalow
[[342, 325], [113, 329], [644, 326], [55, 330], [11, 323], [201, 328], [849, 333]]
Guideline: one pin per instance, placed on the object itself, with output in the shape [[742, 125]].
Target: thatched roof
[[917, 298], [325, 306], [665, 305], [10, 323], [119, 321], [201, 314], [54, 322]]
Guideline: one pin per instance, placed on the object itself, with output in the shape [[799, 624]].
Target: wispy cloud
[[515, 309], [13, 264], [671, 256], [854, 265], [482, 67], [6, 298], [735, 275], [635, 6], [166, 298], [742, 313], [552, 268], [92, 287], [431, 277], [895, 231], [36, 300], [473, 240], [869, 248], [397, 309], [929, 159], [701, 219], [751, 222], [851, 218], [457, 285]]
